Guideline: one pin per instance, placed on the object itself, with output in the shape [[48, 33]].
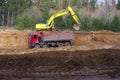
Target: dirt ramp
[[13, 39]]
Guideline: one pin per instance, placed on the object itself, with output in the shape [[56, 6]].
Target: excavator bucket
[[76, 27]]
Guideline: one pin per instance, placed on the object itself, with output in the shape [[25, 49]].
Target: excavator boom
[[55, 15]]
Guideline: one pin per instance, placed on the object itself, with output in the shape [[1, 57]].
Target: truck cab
[[33, 40]]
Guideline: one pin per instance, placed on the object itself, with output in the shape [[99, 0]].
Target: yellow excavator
[[50, 23]]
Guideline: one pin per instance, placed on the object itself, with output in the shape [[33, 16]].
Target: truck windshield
[[33, 36]]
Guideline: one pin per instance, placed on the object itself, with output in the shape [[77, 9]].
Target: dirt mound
[[13, 39], [97, 40]]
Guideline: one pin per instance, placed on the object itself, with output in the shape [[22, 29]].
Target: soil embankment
[[60, 64], [13, 39]]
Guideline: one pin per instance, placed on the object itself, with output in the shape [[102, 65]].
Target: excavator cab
[[41, 26]]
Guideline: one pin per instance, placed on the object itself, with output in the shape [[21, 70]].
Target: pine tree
[[118, 5], [93, 3]]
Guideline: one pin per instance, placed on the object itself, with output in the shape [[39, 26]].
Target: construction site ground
[[93, 56]]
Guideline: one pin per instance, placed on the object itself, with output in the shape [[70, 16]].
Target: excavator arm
[[55, 15], [50, 23]]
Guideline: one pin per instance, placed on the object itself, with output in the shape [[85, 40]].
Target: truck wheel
[[37, 46], [60, 44], [67, 44], [45, 46]]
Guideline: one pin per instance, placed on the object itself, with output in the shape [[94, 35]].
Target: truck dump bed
[[57, 36]]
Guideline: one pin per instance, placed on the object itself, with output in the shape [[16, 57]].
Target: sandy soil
[[13, 39]]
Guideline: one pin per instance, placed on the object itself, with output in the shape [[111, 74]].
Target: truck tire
[[37, 46], [67, 44], [60, 44], [45, 46]]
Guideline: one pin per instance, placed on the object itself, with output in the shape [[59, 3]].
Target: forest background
[[94, 15]]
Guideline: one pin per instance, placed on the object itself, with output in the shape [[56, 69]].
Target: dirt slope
[[60, 63], [104, 57]]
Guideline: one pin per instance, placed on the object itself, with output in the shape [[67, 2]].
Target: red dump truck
[[44, 40]]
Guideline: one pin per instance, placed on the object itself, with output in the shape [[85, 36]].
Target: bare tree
[[114, 6], [60, 4], [69, 2]]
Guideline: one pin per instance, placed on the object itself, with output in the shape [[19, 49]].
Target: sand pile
[[13, 39]]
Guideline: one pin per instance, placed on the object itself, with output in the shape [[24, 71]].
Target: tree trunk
[[3, 19], [69, 2], [0, 18], [114, 6], [12, 19], [79, 4], [8, 19], [60, 4]]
